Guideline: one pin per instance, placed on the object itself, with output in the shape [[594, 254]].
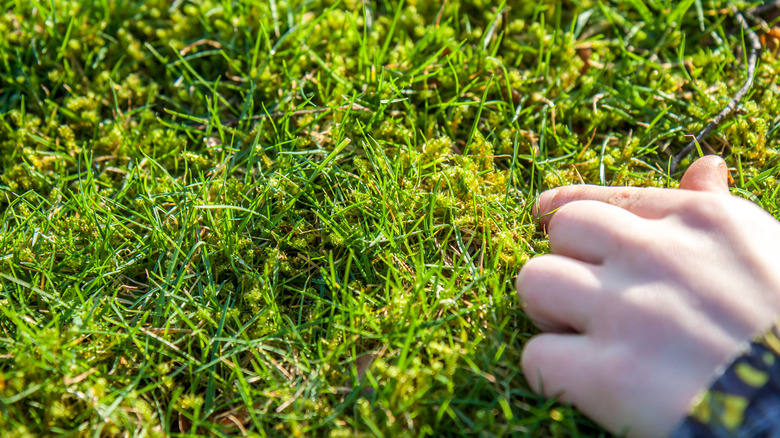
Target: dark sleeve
[[744, 401]]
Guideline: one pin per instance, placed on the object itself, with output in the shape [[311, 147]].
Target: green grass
[[303, 218]]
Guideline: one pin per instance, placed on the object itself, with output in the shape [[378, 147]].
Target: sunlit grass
[[299, 218]]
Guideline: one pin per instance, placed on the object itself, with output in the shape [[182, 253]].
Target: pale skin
[[646, 293]]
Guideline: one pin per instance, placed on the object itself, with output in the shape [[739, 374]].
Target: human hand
[[647, 291]]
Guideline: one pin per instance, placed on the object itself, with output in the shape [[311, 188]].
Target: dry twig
[[755, 48], [763, 8]]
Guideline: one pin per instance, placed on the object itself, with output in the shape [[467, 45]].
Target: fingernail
[[535, 208], [542, 205], [724, 172]]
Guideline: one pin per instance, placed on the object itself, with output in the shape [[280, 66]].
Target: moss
[[165, 164]]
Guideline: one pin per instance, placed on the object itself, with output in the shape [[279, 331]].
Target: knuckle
[[706, 211], [626, 199]]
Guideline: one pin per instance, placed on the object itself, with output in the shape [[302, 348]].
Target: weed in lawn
[[304, 217]]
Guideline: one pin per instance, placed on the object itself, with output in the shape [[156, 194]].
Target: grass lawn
[[303, 217]]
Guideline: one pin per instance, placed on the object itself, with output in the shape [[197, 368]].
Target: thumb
[[707, 174]]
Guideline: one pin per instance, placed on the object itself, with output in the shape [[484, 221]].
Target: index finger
[[646, 202]]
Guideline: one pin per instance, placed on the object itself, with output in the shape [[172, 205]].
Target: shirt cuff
[[744, 401]]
